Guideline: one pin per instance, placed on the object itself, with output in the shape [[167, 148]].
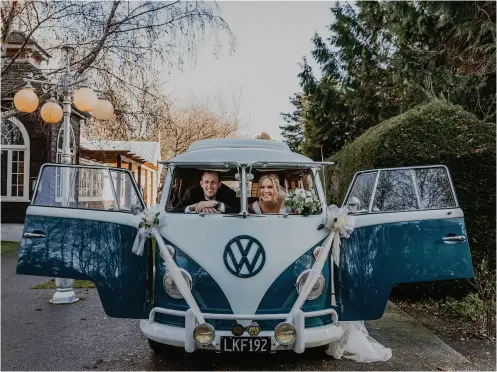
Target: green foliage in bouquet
[[302, 202]]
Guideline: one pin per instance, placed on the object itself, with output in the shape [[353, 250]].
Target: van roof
[[237, 143], [222, 150]]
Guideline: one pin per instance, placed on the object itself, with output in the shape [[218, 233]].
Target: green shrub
[[484, 284], [468, 308], [436, 133]]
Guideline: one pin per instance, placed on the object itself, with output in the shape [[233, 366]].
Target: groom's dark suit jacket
[[195, 194]]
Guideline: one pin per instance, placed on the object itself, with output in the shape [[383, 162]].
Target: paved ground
[[39, 336]]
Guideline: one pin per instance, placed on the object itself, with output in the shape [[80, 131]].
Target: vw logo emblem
[[244, 256]]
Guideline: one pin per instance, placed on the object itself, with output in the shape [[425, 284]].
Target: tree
[[121, 46], [263, 136], [178, 124], [194, 121], [382, 58]]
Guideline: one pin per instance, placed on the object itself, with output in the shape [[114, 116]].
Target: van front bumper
[[183, 337]]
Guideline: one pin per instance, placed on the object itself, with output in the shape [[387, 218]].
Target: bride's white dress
[[356, 344], [257, 208]]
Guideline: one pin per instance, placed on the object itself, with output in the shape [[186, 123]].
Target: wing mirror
[[354, 204], [136, 208]]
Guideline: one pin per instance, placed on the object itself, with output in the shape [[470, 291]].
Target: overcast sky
[[272, 38]]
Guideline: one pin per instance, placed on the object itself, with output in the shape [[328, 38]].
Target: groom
[[210, 196]]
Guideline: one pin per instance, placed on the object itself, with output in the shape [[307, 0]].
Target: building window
[[58, 156], [14, 161], [84, 183]]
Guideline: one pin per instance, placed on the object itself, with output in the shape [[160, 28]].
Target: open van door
[[80, 226], [409, 228]]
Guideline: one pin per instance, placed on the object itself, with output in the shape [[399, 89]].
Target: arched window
[[14, 161]]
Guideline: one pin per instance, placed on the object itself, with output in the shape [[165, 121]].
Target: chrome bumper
[[183, 337]]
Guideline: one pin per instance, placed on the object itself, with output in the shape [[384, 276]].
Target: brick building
[[26, 141]]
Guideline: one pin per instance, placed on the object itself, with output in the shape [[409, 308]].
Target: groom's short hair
[[209, 172]]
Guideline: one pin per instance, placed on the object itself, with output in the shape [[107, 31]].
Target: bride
[[271, 196]]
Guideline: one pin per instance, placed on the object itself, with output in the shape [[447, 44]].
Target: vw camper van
[[235, 280]]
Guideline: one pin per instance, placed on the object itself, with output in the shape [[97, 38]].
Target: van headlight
[[171, 288], [285, 333], [204, 334], [171, 250], [317, 289]]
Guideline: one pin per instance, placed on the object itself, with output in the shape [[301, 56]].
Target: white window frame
[[413, 175], [10, 148]]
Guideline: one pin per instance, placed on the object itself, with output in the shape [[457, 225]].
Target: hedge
[[436, 133]]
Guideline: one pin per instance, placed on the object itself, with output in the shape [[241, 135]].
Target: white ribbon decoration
[[147, 217], [355, 344], [342, 224]]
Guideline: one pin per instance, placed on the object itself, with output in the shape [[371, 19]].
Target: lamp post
[[85, 100]]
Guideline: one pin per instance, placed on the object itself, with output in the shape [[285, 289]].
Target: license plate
[[246, 344]]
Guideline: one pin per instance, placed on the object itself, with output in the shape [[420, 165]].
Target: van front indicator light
[[204, 334], [285, 334]]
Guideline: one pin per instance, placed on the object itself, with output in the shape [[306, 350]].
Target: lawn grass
[[9, 247], [77, 284]]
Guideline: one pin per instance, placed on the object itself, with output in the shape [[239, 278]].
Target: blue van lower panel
[[375, 258], [279, 298], [90, 250]]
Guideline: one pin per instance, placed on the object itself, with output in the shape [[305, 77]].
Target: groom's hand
[[210, 204]]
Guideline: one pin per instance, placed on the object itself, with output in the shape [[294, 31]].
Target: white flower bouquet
[[149, 220], [302, 202]]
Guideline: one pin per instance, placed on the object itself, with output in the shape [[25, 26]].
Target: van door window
[[434, 188], [395, 192], [362, 191], [401, 189], [86, 188]]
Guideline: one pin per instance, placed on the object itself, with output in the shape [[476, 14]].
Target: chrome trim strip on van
[[183, 337], [243, 191], [416, 188], [263, 164], [373, 194], [310, 314]]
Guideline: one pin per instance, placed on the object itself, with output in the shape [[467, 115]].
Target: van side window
[[395, 192], [434, 188], [86, 188], [363, 190], [401, 189]]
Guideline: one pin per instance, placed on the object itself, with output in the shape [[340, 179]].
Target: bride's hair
[[275, 181]]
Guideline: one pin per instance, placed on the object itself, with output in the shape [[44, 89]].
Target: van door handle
[[35, 234], [454, 238]]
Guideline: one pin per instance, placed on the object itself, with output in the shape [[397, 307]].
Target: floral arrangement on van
[[302, 202]]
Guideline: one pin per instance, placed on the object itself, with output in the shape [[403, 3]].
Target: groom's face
[[210, 183]]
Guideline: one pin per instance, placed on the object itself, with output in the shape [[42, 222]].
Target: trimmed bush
[[436, 133]]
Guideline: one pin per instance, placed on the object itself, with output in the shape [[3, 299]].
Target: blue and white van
[[237, 281]]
